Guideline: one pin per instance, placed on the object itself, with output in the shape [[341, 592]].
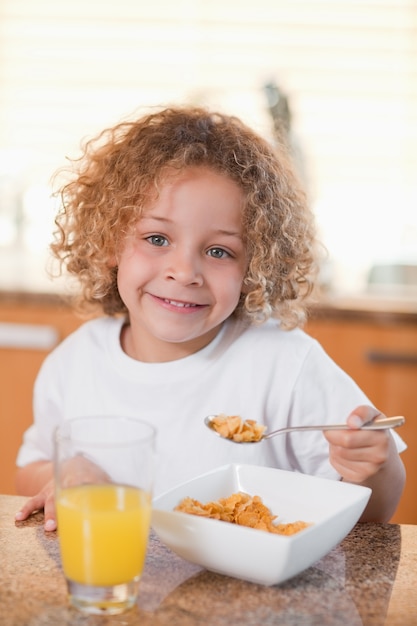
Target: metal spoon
[[375, 424]]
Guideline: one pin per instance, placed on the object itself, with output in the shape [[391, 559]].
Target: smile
[[180, 305]]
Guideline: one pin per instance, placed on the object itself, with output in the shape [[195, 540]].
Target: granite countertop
[[368, 580]]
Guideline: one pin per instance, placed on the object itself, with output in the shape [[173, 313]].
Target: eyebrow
[[230, 233], [220, 231]]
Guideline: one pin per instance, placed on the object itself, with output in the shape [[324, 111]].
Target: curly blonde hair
[[120, 172]]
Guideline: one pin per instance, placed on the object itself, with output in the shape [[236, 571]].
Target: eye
[[218, 253], [157, 240]]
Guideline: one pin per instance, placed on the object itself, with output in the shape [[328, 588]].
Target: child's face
[[180, 274]]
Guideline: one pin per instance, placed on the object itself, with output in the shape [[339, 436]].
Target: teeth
[[180, 305]]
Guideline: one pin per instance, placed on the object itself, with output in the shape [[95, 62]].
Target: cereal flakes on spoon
[[235, 428]]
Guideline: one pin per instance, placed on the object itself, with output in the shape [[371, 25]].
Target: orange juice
[[103, 532]]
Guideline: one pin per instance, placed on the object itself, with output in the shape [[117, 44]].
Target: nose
[[185, 268]]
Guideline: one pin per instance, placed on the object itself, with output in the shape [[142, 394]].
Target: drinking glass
[[103, 468]]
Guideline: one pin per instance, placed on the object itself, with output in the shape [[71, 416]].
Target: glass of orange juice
[[104, 469]]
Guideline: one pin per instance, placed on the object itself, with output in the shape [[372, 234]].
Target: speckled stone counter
[[370, 579]]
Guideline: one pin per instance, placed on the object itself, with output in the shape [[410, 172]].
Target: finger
[[362, 415], [351, 438], [31, 506], [370, 456], [357, 464], [353, 468], [50, 524], [50, 515], [358, 439], [357, 474]]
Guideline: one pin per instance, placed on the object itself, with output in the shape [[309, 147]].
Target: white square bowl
[[332, 508]]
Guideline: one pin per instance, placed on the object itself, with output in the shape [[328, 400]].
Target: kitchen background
[[347, 67], [347, 72]]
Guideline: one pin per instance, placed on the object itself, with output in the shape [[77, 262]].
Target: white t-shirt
[[276, 377]]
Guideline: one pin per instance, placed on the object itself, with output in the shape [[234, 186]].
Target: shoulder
[[269, 346], [92, 334], [270, 334]]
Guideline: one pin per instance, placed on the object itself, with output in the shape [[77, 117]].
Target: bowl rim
[[192, 537], [232, 471]]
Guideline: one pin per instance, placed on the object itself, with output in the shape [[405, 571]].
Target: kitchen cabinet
[[380, 352], [28, 331]]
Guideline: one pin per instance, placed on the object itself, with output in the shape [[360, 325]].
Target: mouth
[[179, 304]]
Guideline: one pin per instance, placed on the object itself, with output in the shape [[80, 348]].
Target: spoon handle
[[378, 424]]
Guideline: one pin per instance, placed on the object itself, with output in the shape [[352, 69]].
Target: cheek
[[126, 272], [233, 288]]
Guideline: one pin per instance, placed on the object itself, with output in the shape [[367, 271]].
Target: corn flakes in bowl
[[317, 512]]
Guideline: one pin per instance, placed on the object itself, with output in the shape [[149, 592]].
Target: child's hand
[[81, 471], [358, 454], [78, 470], [45, 499]]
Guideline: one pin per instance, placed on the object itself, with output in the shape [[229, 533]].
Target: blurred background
[[339, 75], [347, 69]]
